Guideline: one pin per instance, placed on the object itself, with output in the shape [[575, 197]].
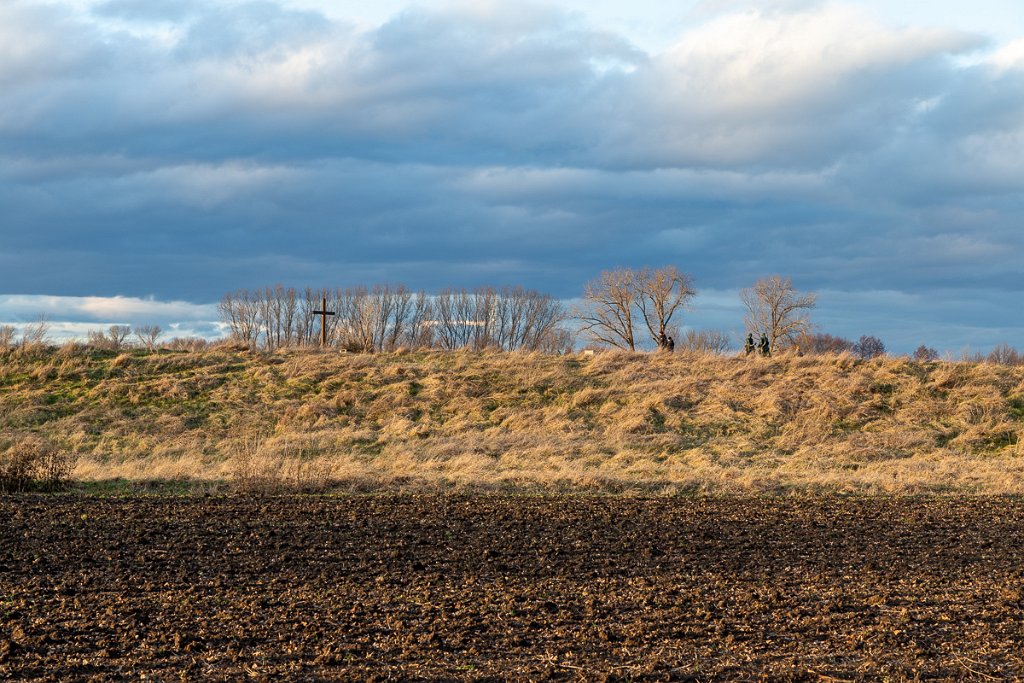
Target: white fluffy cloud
[[71, 317], [784, 88], [110, 310]]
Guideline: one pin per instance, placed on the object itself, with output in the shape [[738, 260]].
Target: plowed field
[[438, 587]]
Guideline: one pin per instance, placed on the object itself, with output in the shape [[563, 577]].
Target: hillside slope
[[616, 421]]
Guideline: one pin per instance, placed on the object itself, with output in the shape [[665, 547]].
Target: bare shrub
[[263, 467], [186, 344], [705, 341], [240, 311], [97, 339], [71, 349], [34, 334], [34, 463], [113, 339], [925, 353], [821, 343], [7, 333]]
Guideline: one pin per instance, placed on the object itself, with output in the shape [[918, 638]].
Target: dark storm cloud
[[183, 149]]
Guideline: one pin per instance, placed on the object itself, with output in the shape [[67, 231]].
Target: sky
[[155, 154]]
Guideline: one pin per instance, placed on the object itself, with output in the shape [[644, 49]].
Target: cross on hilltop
[[323, 313]]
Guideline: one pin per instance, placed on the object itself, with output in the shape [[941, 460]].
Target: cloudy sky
[[157, 153]]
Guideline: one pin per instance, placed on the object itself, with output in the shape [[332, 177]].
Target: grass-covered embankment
[[617, 422]]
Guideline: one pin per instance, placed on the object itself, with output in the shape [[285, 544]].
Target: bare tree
[[607, 315], [118, 335], [241, 313], [775, 307], [868, 347], [419, 333], [454, 318], [559, 341], [305, 321], [112, 339], [660, 293], [925, 353], [1004, 354], [484, 301], [148, 334], [968, 356], [526, 319], [355, 320], [98, 339], [401, 308]]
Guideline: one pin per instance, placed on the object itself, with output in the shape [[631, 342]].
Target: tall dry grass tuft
[[268, 466], [33, 463]]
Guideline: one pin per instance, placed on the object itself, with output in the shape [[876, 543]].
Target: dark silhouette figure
[[671, 345], [749, 346], [663, 341], [765, 345]]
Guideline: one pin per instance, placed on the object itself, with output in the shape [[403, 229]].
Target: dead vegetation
[[654, 423], [33, 463]]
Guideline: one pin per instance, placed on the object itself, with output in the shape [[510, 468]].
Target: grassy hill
[[614, 421]]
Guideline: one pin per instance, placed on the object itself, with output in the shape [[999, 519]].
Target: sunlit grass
[[612, 422]]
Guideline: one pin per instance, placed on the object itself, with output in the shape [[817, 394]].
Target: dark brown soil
[[525, 588]]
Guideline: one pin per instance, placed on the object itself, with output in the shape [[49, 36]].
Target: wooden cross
[[323, 313]]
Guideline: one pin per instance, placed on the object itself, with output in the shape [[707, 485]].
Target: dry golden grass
[[613, 422]]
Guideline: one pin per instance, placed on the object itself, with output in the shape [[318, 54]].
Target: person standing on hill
[[748, 347], [765, 345], [671, 345]]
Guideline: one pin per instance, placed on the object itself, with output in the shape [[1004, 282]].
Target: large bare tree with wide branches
[[607, 315], [621, 301], [660, 294], [777, 309]]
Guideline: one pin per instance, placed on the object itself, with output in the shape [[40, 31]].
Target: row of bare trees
[[114, 338], [117, 337], [622, 308], [387, 317]]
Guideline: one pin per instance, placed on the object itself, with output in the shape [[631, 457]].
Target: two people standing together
[[763, 345]]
